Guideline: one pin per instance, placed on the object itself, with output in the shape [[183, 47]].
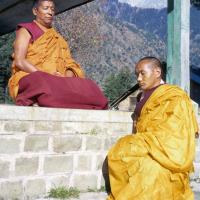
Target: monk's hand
[[69, 73], [58, 74]]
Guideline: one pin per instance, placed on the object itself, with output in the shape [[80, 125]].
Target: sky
[[146, 3]]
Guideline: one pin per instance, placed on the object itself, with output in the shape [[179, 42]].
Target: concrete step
[[85, 196], [65, 120], [197, 196], [100, 196]]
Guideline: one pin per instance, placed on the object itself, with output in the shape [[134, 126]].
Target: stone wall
[[41, 148]]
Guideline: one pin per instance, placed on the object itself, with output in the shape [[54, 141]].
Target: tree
[[6, 42], [117, 84]]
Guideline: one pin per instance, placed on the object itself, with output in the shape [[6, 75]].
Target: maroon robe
[[61, 92]]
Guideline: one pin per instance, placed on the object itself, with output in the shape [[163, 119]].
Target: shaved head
[[148, 72], [44, 11], [38, 2], [153, 62]]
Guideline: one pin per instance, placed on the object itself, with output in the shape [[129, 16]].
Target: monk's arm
[[20, 51], [71, 67]]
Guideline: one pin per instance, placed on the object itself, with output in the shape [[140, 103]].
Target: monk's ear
[[34, 10], [158, 72]]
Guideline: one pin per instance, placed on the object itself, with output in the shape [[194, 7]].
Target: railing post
[[178, 68]]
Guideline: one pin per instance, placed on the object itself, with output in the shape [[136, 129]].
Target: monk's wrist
[[69, 73]]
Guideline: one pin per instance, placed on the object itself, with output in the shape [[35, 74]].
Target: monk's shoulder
[[169, 93], [27, 25], [173, 89]]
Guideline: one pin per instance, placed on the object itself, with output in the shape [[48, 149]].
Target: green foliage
[[116, 84], [63, 193], [6, 42], [102, 189]]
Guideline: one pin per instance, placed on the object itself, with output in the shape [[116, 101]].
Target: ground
[[102, 196]]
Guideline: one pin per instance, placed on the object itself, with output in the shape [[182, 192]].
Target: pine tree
[[116, 84]]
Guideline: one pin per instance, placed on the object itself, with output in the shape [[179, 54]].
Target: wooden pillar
[[178, 21]]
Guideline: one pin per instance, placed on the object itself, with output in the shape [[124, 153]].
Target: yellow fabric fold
[[154, 164], [49, 53]]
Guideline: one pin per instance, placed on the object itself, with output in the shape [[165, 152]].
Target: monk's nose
[[139, 78], [50, 12]]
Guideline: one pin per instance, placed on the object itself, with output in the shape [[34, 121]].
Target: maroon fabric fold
[[34, 30], [61, 92]]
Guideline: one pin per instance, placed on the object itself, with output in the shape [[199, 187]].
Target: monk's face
[[148, 76], [44, 13]]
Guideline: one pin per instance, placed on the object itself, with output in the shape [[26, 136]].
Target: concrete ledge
[[10, 112]]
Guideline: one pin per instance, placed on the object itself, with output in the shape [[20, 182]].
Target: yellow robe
[[154, 164], [49, 53]]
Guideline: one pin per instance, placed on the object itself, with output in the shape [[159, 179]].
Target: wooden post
[[178, 20]]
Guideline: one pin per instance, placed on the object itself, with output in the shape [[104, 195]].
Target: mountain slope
[[155, 22], [103, 44]]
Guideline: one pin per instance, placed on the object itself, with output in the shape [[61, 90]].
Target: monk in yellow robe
[[155, 162], [38, 47]]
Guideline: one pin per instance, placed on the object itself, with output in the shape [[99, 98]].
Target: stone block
[[11, 190], [102, 182], [26, 166], [119, 129], [34, 188], [196, 173], [36, 143], [197, 156], [71, 127], [9, 145], [93, 143], [60, 181], [99, 162], [84, 163], [92, 196], [78, 127], [58, 164], [17, 126], [197, 141], [47, 126], [4, 169], [85, 181], [1, 127], [109, 141], [65, 144], [197, 194], [195, 186]]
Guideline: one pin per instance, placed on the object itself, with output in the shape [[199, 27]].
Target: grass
[[102, 189], [63, 193], [93, 131]]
